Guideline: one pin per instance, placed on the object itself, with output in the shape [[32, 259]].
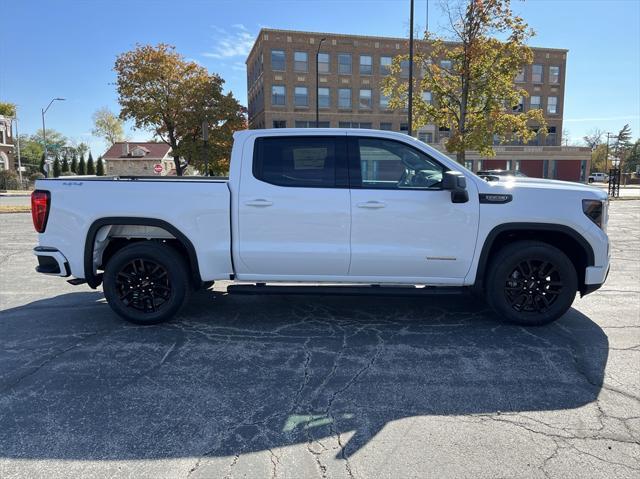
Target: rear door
[[294, 208], [404, 227]]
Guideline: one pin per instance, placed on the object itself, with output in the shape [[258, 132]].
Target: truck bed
[[199, 207]]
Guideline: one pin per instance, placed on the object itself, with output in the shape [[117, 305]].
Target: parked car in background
[[359, 207], [598, 178]]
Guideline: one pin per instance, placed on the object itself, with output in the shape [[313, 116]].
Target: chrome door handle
[[372, 204], [258, 202]]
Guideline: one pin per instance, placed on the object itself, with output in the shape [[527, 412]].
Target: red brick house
[[138, 159]]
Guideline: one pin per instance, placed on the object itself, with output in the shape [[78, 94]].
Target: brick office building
[[281, 72]]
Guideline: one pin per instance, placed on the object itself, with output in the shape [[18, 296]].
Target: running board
[[373, 290]]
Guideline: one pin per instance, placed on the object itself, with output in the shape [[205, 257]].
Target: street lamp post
[[614, 174], [44, 131], [317, 87], [410, 112]]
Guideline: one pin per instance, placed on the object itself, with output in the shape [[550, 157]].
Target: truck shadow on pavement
[[233, 374]]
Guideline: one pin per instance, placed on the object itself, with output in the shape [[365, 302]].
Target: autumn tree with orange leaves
[[164, 93], [473, 93]]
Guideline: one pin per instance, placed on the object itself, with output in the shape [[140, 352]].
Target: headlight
[[594, 209]]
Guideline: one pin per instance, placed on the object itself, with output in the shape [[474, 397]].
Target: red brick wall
[[568, 170], [532, 168]]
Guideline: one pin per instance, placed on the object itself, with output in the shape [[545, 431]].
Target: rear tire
[[146, 282], [531, 283]]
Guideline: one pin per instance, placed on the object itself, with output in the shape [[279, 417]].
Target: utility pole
[[205, 149], [411, 70], [317, 87]]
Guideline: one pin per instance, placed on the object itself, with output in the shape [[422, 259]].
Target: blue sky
[[67, 48]]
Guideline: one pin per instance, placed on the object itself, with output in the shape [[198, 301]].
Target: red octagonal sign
[[157, 168]]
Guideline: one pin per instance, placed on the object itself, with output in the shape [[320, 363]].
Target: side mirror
[[455, 182]]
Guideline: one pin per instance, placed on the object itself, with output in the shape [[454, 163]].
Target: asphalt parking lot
[[296, 387]]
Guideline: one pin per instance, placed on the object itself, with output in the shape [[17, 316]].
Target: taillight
[[40, 201]]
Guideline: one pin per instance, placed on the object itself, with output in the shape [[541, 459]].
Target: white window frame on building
[[365, 99], [342, 106], [275, 95], [385, 65], [521, 76], [366, 65], [324, 93], [300, 62], [537, 76], [301, 96], [554, 78], [384, 101], [342, 66], [324, 62], [537, 105], [284, 60], [552, 105]]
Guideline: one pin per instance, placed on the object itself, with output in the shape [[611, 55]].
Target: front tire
[[531, 283], [146, 282]]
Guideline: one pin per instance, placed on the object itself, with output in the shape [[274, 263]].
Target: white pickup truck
[[346, 211]]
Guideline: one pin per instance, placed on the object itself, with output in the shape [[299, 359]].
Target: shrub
[[9, 180], [36, 176]]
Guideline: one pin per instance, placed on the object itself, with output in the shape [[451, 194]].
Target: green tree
[[82, 149], [56, 167], [91, 168], [632, 162], [56, 141], [82, 167], [474, 93], [160, 91], [30, 152], [100, 167], [622, 143], [7, 109], [65, 165], [74, 163], [108, 126]]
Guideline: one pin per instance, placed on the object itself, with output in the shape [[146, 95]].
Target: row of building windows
[[537, 74], [549, 139], [345, 100], [366, 64], [365, 99], [535, 102]]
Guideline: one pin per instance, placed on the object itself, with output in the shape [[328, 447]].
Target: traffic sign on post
[[157, 168]]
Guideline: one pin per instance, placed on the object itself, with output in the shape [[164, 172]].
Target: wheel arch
[[563, 237], [94, 280]]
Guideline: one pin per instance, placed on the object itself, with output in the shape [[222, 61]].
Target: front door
[[404, 227], [294, 209]]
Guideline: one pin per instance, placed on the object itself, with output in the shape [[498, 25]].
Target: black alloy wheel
[[533, 286], [146, 282], [530, 283]]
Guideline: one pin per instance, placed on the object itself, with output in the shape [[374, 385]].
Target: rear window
[[296, 161]]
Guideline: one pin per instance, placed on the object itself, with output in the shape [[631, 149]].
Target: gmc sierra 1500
[[326, 206]]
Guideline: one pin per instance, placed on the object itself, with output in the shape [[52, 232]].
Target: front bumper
[[595, 276], [51, 261]]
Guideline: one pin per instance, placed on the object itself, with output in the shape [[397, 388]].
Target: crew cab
[[342, 210]]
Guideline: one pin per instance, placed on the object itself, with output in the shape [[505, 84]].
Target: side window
[[296, 161], [391, 164]]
